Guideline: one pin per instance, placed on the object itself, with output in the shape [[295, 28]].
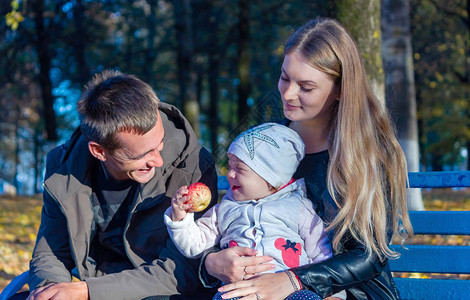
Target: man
[[105, 193]]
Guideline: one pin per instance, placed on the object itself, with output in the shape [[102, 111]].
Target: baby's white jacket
[[283, 225]]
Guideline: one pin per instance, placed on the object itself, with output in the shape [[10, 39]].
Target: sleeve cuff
[[99, 288], [177, 224], [207, 280]]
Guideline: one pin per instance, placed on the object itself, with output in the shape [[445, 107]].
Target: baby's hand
[[179, 207]]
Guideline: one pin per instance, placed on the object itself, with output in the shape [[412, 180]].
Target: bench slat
[[432, 259], [441, 222], [411, 288], [417, 179], [439, 179], [222, 183]]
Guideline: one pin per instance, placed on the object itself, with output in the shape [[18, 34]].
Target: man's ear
[[97, 150]]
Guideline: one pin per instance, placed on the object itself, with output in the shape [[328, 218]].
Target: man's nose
[[155, 159]]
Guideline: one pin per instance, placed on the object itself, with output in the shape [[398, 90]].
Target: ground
[[19, 223], [20, 217]]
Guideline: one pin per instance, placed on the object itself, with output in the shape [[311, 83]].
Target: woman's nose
[[290, 92]]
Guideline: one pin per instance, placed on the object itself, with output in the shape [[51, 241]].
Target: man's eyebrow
[[145, 153], [141, 155]]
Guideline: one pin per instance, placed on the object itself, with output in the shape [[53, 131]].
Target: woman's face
[[307, 93]]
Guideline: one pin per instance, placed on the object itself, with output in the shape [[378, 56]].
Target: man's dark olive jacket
[[63, 241]]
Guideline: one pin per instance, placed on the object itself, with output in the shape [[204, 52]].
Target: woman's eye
[[306, 89], [284, 78]]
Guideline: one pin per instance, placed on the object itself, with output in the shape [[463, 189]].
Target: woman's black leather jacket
[[352, 270], [361, 277]]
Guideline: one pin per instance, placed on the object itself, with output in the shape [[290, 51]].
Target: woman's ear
[[337, 92], [97, 150]]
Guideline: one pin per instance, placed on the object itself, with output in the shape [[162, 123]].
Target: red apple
[[199, 196]]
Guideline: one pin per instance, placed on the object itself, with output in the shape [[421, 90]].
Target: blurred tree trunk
[[16, 180], [362, 20], [400, 85], [130, 40], [213, 77], [79, 44], [185, 52], [36, 167], [436, 162], [44, 57], [244, 58], [150, 53], [467, 76]]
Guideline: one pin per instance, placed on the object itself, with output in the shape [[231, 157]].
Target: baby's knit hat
[[272, 150]]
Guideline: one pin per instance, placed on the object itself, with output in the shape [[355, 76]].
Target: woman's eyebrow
[[307, 82], [301, 81]]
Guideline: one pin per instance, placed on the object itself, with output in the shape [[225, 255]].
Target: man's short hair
[[114, 102]]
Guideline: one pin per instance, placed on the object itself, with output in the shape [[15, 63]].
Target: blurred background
[[219, 62]]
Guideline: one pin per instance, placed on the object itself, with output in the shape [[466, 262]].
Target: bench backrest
[[440, 259]]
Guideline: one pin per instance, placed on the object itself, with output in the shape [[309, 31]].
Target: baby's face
[[245, 183]]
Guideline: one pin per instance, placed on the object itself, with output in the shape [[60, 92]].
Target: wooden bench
[[415, 258]]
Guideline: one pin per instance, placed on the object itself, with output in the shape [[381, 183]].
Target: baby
[[264, 209]]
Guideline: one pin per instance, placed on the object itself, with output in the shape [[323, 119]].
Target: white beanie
[[272, 150]]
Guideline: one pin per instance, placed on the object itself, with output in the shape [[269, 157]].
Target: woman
[[355, 172]]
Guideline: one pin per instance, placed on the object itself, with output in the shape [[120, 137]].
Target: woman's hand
[[272, 286], [236, 263]]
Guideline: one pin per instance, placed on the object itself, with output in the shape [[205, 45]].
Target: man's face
[[138, 155]]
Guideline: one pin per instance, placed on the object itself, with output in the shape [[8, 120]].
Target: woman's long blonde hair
[[367, 174]]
